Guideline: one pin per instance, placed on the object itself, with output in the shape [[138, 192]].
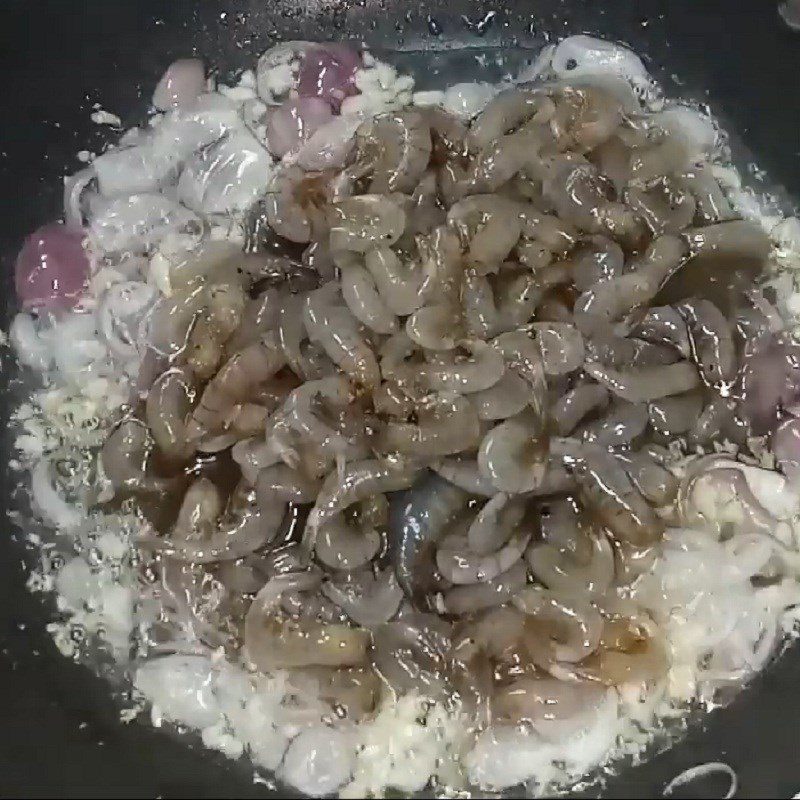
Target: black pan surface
[[59, 729]]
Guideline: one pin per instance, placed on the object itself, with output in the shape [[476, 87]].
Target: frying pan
[[60, 733]]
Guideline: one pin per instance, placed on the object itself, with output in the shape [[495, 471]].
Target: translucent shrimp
[[495, 523], [459, 565], [489, 227], [366, 221], [167, 410], [331, 324], [482, 369], [446, 424], [507, 111], [399, 284], [362, 297], [398, 147], [645, 384], [233, 384], [513, 455]]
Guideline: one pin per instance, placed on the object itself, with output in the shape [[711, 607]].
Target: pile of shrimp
[[418, 437]]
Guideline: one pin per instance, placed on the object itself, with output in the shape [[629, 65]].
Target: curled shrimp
[[495, 523], [576, 404], [465, 473], [508, 397], [358, 481], [505, 112], [167, 410], [398, 284], [366, 221], [478, 306], [486, 594], [445, 424], [361, 295], [482, 369], [233, 384], [489, 227], [331, 324], [461, 566], [513, 455], [342, 546], [434, 327], [609, 492], [645, 384], [398, 147], [203, 535]]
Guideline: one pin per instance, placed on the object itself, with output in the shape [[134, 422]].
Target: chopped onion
[[51, 268], [182, 83]]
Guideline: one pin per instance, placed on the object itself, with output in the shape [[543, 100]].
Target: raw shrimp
[[446, 424], [459, 565], [233, 384], [513, 455], [399, 284], [646, 384], [169, 404], [366, 221], [333, 326], [481, 371], [487, 594], [488, 226], [397, 147], [506, 112], [361, 295]]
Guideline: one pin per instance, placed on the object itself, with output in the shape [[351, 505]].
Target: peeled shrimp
[[169, 403], [509, 396], [711, 340], [672, 416], [334, 327], [576, 404], [646, 384], [459, 565], [368, 600], [622, 423], [488, 226], [487, 594], [234, 382], [523, 355], [513, 455], [495, 523], [398, 147], [434, 327], [399, 284], [342, 546], [273, 643], [446, 424], [203, 536], [465, 473], [561, 346], [357, 482], [366, 221], [609, 493], [505, 112], [558, 629], [362, 297], [664, 325], [482, 370]]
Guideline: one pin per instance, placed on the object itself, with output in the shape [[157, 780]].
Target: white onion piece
[[53, 507], [137, 223], [29, 347], [74, 187], [133, 170], [329, 146], [319, 760], [227, 177], [75, 345], [184, 131], [182, 83], [120, 313]]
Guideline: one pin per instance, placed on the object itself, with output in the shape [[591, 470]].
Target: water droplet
[[433, 26], [482, 25]]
